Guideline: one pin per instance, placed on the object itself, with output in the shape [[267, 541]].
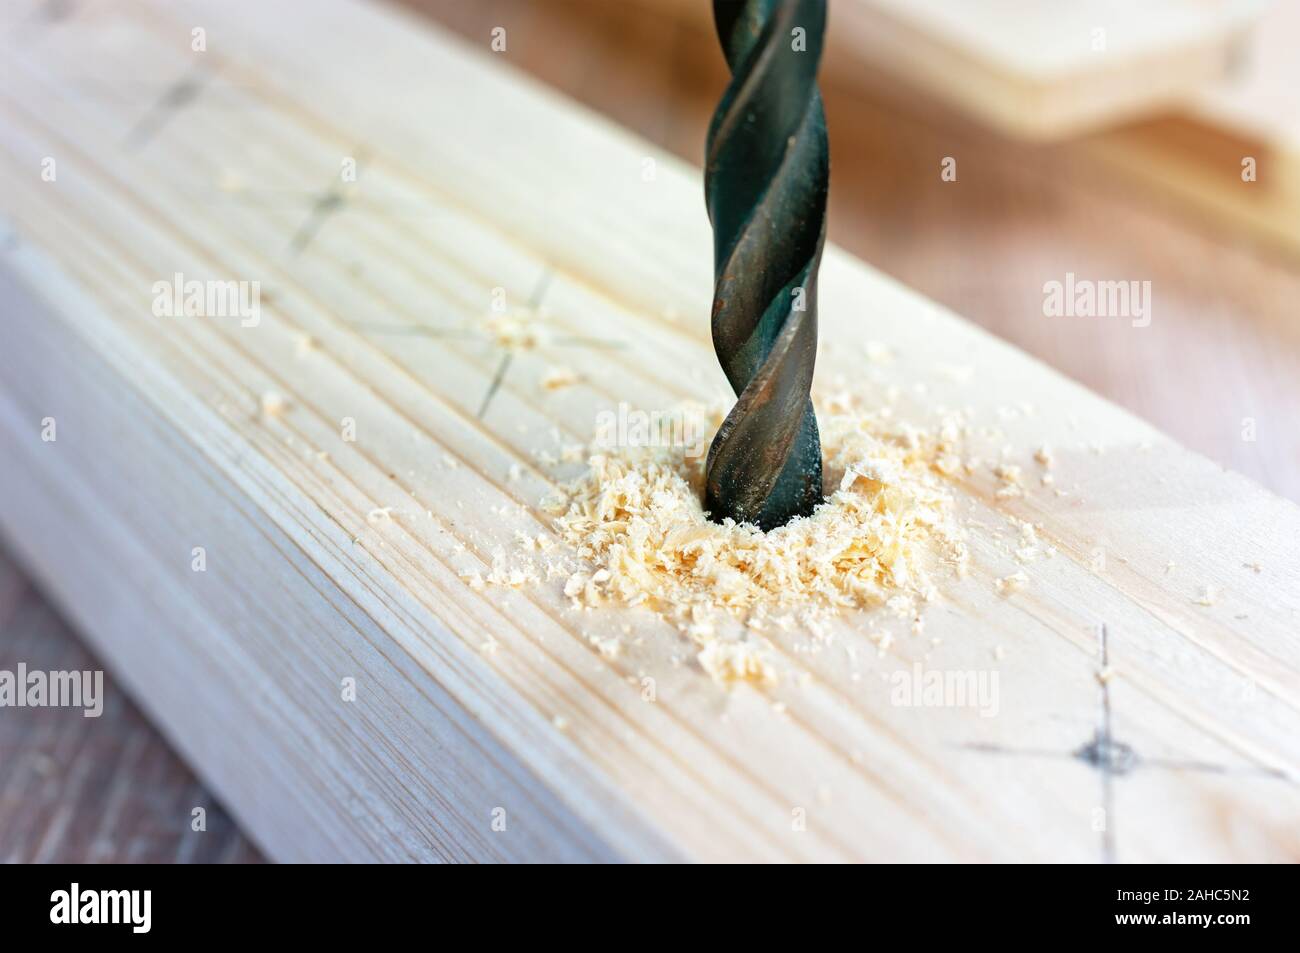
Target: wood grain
[[1019, 215], [165, 444]]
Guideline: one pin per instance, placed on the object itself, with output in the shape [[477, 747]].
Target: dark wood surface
[[1223, 345], [89, 790]]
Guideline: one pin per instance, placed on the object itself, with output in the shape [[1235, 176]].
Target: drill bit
[[765, 182]]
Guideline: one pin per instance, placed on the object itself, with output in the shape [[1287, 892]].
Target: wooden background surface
[[87, 790], [1223, 346], [1224, 340]]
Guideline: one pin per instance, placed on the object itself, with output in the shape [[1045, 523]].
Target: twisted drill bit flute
[[766, 175]]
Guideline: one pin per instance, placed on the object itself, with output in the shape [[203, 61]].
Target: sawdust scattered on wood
[[736, 661], [558, 377], [1012, 583], [274, 404], [633, 532], [519, 329]]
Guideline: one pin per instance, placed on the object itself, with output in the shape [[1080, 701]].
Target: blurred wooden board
[[1182, 94], [1196, 155], [1043, 70], [163, 446]]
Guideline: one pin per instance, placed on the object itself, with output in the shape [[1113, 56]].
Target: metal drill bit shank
[[765, 183]]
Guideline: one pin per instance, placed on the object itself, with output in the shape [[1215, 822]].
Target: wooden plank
[[1042, 71], [1191, 91], [1019, 215], [164, 445], [1197, 156]]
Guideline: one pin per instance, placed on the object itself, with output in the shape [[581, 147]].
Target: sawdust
[[735, 661], [558, 377], [519, 329], [632, 532], [1006, 585], [273, 404], [1009, 474]]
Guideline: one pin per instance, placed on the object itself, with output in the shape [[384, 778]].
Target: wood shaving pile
[[636, 534]]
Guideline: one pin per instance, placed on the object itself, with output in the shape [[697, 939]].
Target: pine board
[[474, 178]]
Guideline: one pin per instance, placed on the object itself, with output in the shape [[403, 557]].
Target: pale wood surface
[[1041, 70], [1195, 155], [1019, 215], [162, 444], [1262, 93]]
